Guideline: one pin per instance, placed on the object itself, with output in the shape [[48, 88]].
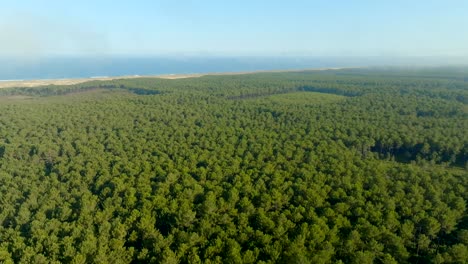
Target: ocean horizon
[[15, 69]]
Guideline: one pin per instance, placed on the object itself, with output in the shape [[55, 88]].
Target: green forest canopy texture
[[338, 166]]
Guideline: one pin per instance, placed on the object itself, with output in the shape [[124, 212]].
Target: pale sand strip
[[35, 83]]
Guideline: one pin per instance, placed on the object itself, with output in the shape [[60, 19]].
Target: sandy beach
[[36, 83], [71, 81]]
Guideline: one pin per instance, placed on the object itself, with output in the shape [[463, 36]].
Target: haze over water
[[86, 67]]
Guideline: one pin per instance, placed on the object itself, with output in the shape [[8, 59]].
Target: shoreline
[[72, 81]]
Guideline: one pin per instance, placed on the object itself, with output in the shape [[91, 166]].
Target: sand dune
[[36, 83]]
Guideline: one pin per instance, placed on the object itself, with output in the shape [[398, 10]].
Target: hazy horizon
[[65, 67], [67, 39], [31, 29]]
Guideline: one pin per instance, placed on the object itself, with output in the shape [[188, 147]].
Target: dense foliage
[[351, 166]]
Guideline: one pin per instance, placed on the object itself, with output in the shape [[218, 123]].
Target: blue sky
[[234, 28]]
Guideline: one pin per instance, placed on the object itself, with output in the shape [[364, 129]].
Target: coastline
[[71, 81]]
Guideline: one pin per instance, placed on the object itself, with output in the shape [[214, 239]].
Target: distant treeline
[[54, 90]]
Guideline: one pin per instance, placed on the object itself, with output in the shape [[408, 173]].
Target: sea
[[108, 66]]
